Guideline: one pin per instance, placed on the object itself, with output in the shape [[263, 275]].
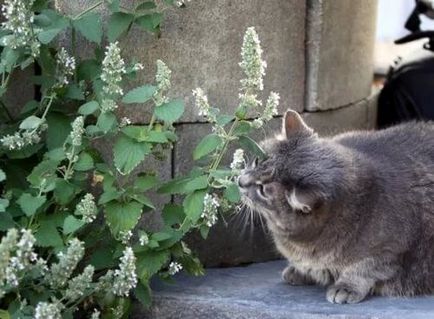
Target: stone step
[[256, 291]]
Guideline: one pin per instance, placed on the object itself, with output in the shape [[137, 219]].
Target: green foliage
[[81, 208]]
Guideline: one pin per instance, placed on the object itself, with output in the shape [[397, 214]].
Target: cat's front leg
[[357, 280], [295, 277]]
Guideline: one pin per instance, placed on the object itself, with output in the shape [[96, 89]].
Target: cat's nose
[[244, 181]]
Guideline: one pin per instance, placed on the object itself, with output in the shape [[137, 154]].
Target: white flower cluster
[[105, 282], [269, 112], [18, 20], [77, 131], [125, 236], [65, 67], [108, 105], [162, 77], [138, 67], [251, 61], [143, 239], [125, 121], [87, 208], [174, 268], [180, 3], [125, 278], [16, 256], [113, 68], [238, 160], [202, 104], [95, 314], [45, 310], [22, 139], [60, 272], [78, 285], [210, 210]]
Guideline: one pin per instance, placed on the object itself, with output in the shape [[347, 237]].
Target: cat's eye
[[255, 163], [260, 190]]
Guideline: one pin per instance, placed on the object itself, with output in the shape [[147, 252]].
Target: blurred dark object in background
[[408, 93]]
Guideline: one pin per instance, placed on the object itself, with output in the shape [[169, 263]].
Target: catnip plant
[[69, 219]]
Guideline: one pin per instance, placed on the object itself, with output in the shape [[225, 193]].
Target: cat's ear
[[293, 123], [300, 200]]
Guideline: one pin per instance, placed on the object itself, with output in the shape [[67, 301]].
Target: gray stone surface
[[257, 291], [201, 44], [20, 91], [340, 42]]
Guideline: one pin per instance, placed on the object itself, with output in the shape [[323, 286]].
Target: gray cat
[[354, 212]]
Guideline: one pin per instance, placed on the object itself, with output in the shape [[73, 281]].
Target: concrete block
[[257, 291], [20, 91], [201, 44], [331, 122], [340, 46]]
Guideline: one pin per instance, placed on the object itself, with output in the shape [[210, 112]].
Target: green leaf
[[252, 146], [118, 24], [31, 123], [140, 94], [74, 92], [72, 224], [193, 205], [89, 70], [222, 120], [2, 175], [143, 199], [84, 163], [141, 134], [207, 145], [58, 130], [44, 170], [113, 5], [170, 112], [184, 185], [64, 191], [146, 6], [150, 22], [47, 234], [144, 294], [145, 182], [204, 231], [90, 27], [88, 108], [6, 221], [129, 153], [242, 128], [232, 193], [47, 36], [52, 24], [108, 196], [150, 262], [4, 203], [106, 121], [173, 214], [30, 204], [122, 216]]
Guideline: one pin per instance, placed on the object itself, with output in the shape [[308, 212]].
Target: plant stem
[[93, 7], [151, 123], [219, 158]]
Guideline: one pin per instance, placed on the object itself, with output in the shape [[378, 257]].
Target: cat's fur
[[354, 212]]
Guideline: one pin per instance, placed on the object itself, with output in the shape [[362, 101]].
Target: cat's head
[[292, 187]]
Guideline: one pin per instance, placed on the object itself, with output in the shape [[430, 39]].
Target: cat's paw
[[342, 293], [293, 277]]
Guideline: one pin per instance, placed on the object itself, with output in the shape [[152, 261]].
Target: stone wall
[[319, 56]]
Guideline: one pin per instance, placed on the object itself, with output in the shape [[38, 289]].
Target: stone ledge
[[257, 291]]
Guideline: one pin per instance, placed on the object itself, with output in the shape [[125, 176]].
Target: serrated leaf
[[118, 24], [129, 153], [143, 199], [144, 294], [252, 146], [31, 123], [146, 5], [184, 185], [173, 214], [242, 128], [30, 204], [170, 112], [47, 234], [122, 216], [47, 36], [108, 196], [74, 92], [150, 262], [140, 94], [113, 5], [193, 205], [90, 27], [207, 145], [58, 130], [72, 224], [88, 108], [150, 22], [145, 182], [106, 121], [2, 175], [4, 203], [232, 193], [64, 191], [84, 163]]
